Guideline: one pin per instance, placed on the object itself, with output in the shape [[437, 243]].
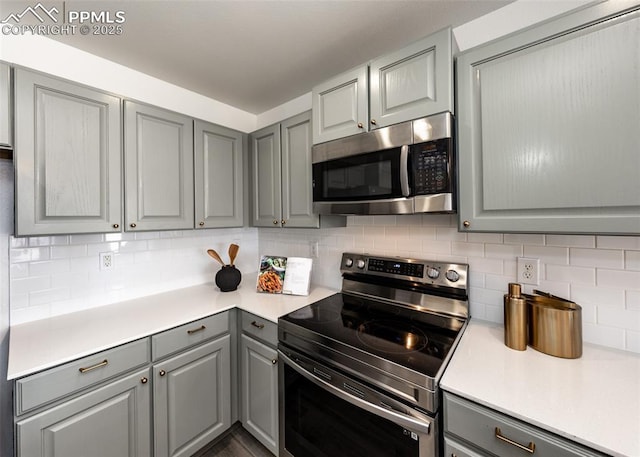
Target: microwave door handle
[[404, 170], [398, 418]]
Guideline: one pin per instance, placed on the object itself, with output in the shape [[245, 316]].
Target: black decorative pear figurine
[[228, 278]]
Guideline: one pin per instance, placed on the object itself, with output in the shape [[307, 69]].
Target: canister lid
[[514, 289]]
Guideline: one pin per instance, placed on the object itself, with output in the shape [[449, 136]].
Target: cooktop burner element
[[395, 320]]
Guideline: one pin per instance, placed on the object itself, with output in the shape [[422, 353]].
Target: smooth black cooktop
[[402, 335]]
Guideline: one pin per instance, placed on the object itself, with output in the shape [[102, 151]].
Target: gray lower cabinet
[[412, 82], [218, 176], [67, 156], [472, 430], [259, 380], [98, 406], [548, 127], [167, 395], [158, 163], [6, 112], [192, 398]]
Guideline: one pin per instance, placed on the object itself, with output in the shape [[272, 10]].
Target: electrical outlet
[[529, 271], [313, 249], [106, 260]]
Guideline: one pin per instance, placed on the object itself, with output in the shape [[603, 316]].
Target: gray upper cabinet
[[218, 176], [281, 176], [412, 82], [158, 155], [266, 177], [548, 123], [6, 113], [341, 106], [67, 157], [297, 198]]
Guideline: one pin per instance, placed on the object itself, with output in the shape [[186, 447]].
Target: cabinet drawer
[[179, 338], [502, 435], [50, 385], [453, 448], [262, 329]]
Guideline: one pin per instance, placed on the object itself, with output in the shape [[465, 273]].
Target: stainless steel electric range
[[360, 369]]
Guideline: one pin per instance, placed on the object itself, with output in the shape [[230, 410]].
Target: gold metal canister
[[555, 326], [515, 318]]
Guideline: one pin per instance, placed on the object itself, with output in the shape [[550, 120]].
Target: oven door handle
[[398, 418]]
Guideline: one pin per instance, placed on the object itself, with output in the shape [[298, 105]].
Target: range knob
[[433, 273], [452, 275], [348, 262], [360, 264]]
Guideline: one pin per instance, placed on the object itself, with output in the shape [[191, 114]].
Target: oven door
[[324, 413]]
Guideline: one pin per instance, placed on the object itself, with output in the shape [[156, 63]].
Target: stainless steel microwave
[[405, 168]]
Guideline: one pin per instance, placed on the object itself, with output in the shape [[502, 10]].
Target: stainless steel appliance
[[401, 169], [360, 369]]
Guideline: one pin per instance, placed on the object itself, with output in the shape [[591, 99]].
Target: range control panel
[[423, 271]]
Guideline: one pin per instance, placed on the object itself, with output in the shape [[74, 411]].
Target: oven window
[[368, 176], [320, 424]]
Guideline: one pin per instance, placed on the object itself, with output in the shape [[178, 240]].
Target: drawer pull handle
[[256, 325], [196, 330], [531, 448], [104, 363]]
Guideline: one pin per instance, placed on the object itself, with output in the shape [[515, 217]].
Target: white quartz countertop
[[42, 344], [593, 400]]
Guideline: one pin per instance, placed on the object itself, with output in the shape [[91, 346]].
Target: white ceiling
[[256, 55]]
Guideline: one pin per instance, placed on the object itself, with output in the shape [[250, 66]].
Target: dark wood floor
[[236, 443]]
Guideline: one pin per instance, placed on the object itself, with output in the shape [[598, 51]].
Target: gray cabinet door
[[192, 398], [266, 177], [297, 198], [6, 113], [341, 106], [218, 176], [110, 421], [412, 82], [158, 154], [548, 124], [67, 157], [259, 394]]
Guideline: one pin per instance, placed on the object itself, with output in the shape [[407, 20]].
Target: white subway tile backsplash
[[605, 336], [502, 251], [632, 260], [599, 258], [68, 252], [632, 300], [618, 242], [583, 241], [524, 239], [548, 254], [571, 274], [55, 275], [619, 278]]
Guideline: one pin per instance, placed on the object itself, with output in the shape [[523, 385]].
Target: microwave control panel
[[431, 167]]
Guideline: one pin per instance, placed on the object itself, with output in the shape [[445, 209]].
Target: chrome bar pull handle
[[104, 363], [404, 170], [196, 330], [531, 448]]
